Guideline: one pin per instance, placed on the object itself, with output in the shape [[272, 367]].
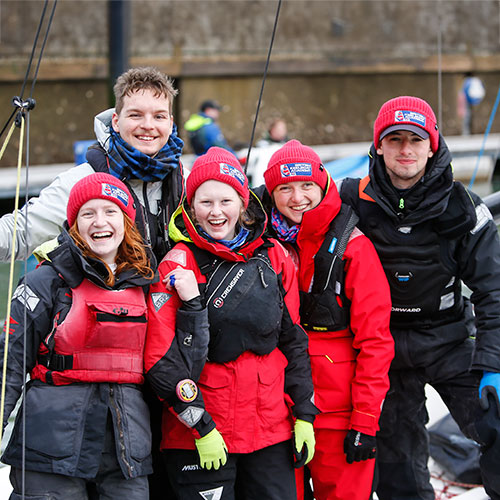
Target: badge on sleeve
[[186, 390]]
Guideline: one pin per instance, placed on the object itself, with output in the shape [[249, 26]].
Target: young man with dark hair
[[432, 235]]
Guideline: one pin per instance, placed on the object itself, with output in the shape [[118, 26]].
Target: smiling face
[[217, 208], [294, 198], [101, 225], [145, 121], [405, 157]]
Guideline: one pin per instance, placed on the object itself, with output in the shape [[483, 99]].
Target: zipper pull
[[401, 203], [261, 273]]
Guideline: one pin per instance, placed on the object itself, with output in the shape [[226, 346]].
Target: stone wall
[[333, 62]]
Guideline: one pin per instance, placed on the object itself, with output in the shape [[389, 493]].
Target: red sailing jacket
[[350, 366], [245, 396], [100, 340]]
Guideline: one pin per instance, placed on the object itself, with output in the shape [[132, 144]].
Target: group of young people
[[288, 331]]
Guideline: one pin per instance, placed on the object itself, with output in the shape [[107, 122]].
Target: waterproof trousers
[[264, 474], [403, 441], [109, 484], [332, 477]]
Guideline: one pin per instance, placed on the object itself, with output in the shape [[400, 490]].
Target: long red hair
[[131, 253]]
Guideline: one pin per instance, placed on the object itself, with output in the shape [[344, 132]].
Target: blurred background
[[334, 62]]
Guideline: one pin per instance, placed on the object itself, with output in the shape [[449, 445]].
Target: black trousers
[[264, 474], [403, 442]]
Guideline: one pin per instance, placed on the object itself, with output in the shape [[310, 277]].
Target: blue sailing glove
[[490, 385]]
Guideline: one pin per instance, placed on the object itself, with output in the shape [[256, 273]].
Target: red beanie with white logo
[[406, 113], [217, 164], [103, 186], [295, 162]]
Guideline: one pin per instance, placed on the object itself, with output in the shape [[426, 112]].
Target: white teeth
[[299, 207], [105, 234], [145, 138], [217, 222]]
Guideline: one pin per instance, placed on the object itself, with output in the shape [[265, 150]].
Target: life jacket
[[418, 260], [244, 301], [101, 339], [325, 307]]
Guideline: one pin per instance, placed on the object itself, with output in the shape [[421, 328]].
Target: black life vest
[[418, 260], [326, 307], [245, 304]]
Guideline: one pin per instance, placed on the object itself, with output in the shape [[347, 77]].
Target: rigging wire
[[31, 58], [488, 127], [263, 83], [21, 112]]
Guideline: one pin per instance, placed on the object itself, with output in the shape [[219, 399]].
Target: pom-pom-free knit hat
[[217, 164], [99, 185], [406, 113], [295, 162]]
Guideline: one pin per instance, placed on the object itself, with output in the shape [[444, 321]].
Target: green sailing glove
[[304, 442], [212, 450]]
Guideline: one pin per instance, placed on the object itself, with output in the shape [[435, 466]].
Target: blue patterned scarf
[[126, 162], [236, 242], [283, 230]]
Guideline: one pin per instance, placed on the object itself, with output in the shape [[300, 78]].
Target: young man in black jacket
[[432, 235]]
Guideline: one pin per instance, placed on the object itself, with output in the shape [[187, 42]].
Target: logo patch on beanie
[[227, 169], [115, 192], [296, 169], [409, 117]]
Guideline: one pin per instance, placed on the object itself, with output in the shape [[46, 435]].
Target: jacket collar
[[182, 228], [427, 199]]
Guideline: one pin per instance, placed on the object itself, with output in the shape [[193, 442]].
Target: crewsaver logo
[[218, 302], [409, 117]]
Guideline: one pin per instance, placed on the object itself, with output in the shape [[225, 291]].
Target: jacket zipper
[[121, 443]]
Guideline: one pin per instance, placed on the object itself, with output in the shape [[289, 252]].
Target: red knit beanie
[[103, 186], [406, 113], [295, 162], [217, 164]]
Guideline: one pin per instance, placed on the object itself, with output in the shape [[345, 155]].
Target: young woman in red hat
[[81, 318], [228, 429], [344, 307]]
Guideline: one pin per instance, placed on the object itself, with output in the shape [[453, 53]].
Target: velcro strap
[[56, 362]]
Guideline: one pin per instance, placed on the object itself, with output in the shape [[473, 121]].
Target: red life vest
[[100, 340]]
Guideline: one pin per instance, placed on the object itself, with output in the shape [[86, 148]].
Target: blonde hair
[[131, 253]]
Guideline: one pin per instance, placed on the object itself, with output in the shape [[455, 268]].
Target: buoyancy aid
[[245, 304], [101, 339], [418, 259], [325, 307]]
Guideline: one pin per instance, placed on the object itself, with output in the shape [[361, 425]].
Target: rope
[[488, 127], [263, 83], [28, 70], [12, 262]]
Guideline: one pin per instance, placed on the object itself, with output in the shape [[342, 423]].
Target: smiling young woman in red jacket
[[229, 428], [345, 309]]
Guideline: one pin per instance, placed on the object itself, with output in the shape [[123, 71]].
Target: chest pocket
[[245, 308], [422, 282]]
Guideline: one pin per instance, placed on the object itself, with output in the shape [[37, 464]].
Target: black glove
[[359, 446]]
